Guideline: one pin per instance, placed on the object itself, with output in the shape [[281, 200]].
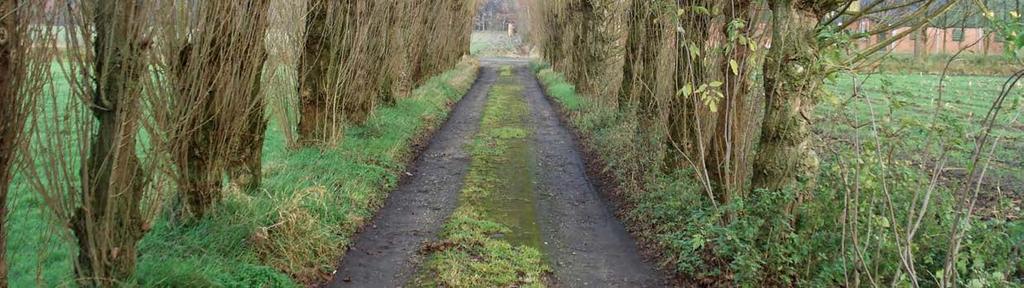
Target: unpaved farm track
[[385, 254], [586, 245], [583, 241]]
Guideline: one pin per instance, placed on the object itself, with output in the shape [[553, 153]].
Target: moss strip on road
[[492, 239]]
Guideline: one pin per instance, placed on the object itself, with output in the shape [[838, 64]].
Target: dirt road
[[583, 242]]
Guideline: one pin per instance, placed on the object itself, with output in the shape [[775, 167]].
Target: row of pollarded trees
[[686, 73], [391, 45], [685, 70], [167, 96]]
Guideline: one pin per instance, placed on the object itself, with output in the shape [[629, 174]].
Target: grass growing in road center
[[492, 239]]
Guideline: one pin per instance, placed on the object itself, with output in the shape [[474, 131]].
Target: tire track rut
[[584, 241]]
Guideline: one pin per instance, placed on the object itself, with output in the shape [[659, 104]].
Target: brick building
[[934, 40]]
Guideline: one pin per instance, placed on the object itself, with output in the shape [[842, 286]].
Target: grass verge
[[492, 239]]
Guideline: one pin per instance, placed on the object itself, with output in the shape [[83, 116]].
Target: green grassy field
[[963, 64], [906, 110], [291, 232]]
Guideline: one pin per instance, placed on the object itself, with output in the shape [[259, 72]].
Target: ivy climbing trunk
[[109, 223]]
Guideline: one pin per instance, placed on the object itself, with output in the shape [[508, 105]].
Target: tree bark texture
[[645, 36], [221, 103], [315, 84], [12, 119], [727, 163], [108, 225], [247, 167], [683, 139], [792, 80]]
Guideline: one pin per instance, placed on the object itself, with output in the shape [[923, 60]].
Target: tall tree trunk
[[407, 42], [109, 223], [247, 169], [945, 39], [196, 158], [921, 43], [727, 165], [389, 86], [12, 116], [634, 46], [683, 141], [420, 19], [315, 88], [430, 22], [590, 46], [219, 81], [552, 44], [640, 75], [792, 80], [360, 68]]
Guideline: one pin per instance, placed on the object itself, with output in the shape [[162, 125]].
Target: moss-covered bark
[[792, 83]]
